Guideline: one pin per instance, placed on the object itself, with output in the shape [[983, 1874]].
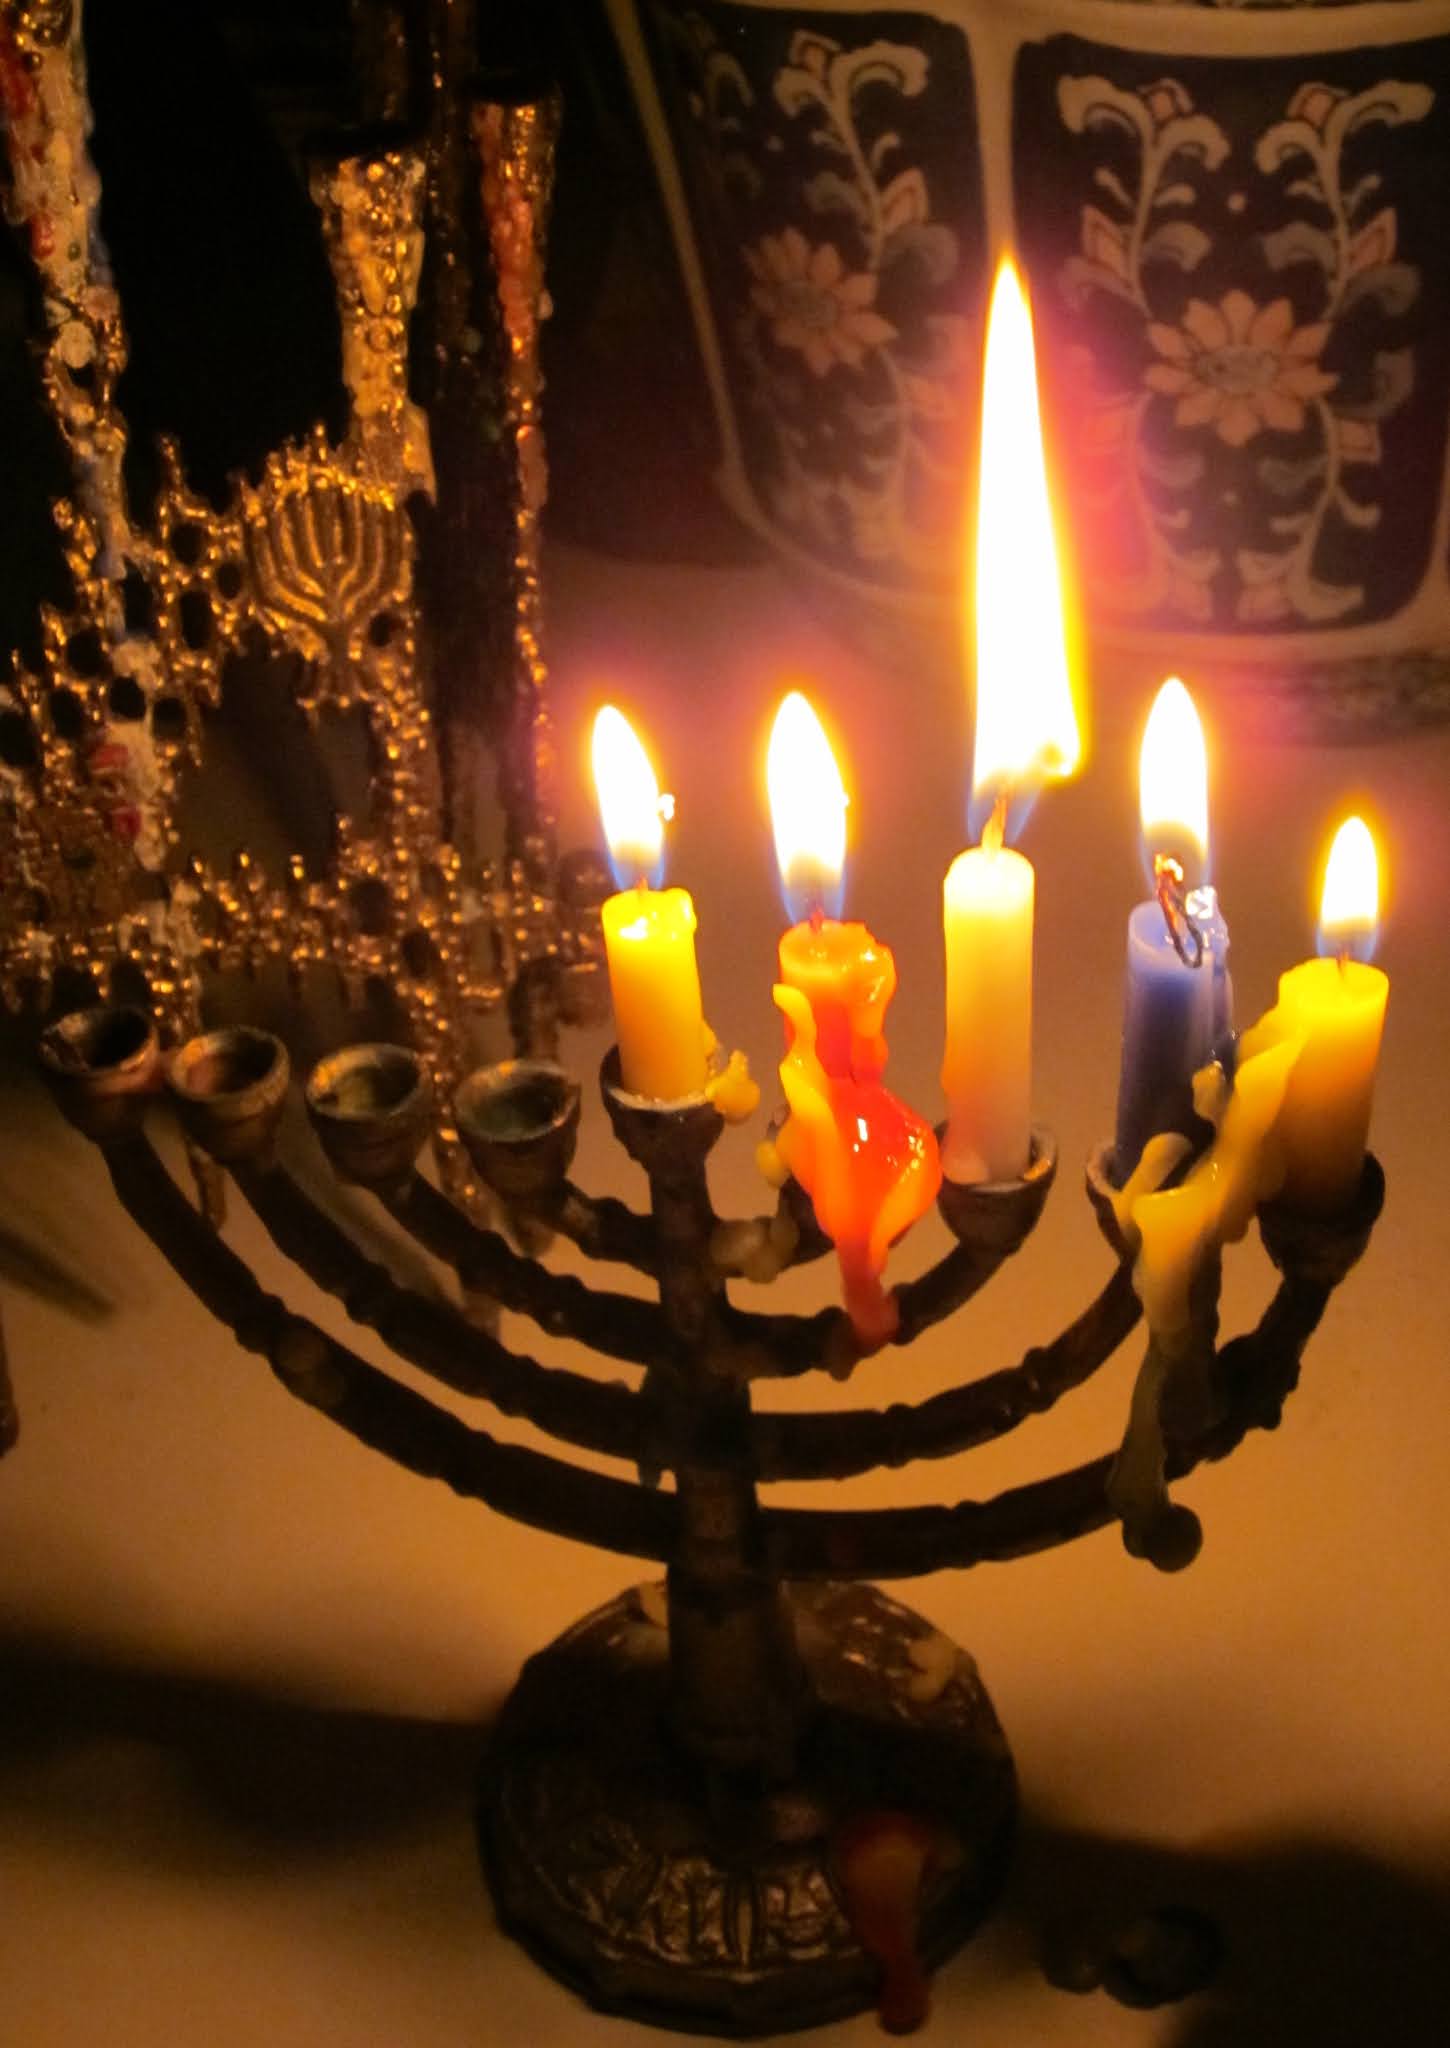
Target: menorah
[[761, 1794], [731, 1800]]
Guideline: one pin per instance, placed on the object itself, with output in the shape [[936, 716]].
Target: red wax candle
[[868, 1162], [848, 979]]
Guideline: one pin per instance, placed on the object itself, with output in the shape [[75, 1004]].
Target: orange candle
[[824, 959], [868, 1162]]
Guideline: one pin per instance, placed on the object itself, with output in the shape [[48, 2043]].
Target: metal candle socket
[[715, 1737]]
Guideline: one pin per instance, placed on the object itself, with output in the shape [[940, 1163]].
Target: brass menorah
[[679, 1789]]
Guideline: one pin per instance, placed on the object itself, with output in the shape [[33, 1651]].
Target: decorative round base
[[660, 1891]]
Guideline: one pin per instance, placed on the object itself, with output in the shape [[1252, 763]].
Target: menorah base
[[685, 1901]]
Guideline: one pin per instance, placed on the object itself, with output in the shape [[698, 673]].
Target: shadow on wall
[[1325, 1945]]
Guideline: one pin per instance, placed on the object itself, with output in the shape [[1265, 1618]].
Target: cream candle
[[649, 933], [987, 906], [1026, 732]]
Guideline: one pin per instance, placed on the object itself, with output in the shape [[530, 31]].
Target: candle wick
[[995, 830], [818, 917], [1168, 880]]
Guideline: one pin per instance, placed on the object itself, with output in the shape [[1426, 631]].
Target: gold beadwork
[[315, 560]]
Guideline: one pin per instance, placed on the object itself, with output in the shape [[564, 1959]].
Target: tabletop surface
[[246, 1667]]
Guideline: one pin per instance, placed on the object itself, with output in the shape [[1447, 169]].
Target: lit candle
[[1178, 1008], [1026, 732], [869, 1163], [1337, 1004], [649, 933], [845, 976]]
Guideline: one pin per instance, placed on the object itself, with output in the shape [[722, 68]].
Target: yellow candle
[[649, 934], [654, 983], [1026, 732], [987, 1070], [1338, 1006]]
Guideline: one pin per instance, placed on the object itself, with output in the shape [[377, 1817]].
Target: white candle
[[987, 1067], [1026, 733]]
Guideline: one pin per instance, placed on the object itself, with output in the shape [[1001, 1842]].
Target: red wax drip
[[869, 1163], [882, 1861]]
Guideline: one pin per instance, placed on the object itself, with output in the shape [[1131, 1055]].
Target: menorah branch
[[438, 1339], [840, 1444], [990, 1223], [619, 1325], [1256, 1374], [544, 1492], [601, 1226], [9, 1413], [784, 1346]]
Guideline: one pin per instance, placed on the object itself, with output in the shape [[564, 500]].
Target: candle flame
[[630, 805], [1027, 727], [1349, 904], [1173, 785], [807, 810]]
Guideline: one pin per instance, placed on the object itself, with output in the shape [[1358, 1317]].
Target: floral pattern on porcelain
[[1227, 407], [813, 303], [839, 287], [1238, 367]]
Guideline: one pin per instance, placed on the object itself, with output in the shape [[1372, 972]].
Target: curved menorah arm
[[842, 1443], [9, 1413], [619, 1325], [761, 1248], [438, 1340], [600, 1226], [783, 1346], [528, 1486], [1256, 1373]]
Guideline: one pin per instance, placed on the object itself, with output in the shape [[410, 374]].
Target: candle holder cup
[[371, 1107], [519, 1122], [229, 1088], [101, 1065], [685, 1793]]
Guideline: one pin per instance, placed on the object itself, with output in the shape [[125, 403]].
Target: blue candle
[[1178, 1011], [1176, 1017]]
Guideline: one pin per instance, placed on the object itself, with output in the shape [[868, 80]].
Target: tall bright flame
[[1349, 906], [1173, 784], [1027, 730], [807, 809], [630, 805]]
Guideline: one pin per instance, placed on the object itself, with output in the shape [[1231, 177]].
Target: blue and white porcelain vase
[[1233, 221]]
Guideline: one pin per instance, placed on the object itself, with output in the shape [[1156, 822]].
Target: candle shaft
[[1339, 1006], [848, 979], [987, 906], [1176, 1017], [654, 981]]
